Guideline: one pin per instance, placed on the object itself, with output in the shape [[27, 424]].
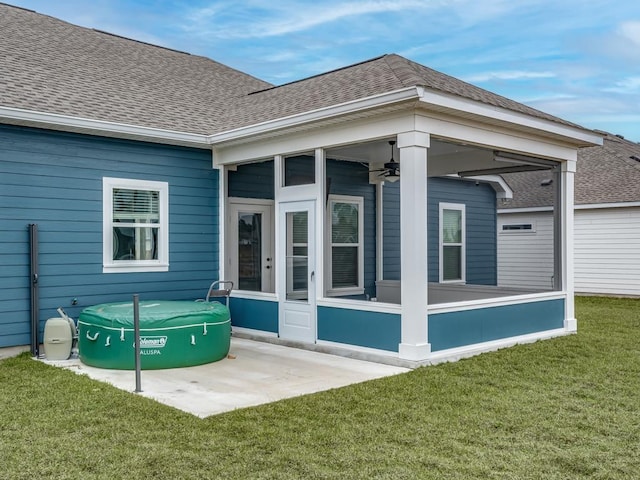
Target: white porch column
[[413, 245], [567, 180]]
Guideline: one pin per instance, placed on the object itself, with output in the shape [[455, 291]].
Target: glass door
[[251, 247], [297, 312]]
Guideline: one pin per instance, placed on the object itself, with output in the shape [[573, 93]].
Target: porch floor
[[449, 293], [255, 373]]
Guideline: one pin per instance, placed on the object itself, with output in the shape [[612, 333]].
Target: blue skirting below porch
[[354, 327], [255, 314], [468, 327]]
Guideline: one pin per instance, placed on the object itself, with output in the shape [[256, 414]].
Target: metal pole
[[33, 280], [136, 334]]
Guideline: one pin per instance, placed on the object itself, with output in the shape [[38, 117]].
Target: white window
[[345, 260], [135, 225], [452, 242]]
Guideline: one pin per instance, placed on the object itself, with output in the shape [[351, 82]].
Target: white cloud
[[627, 85], [285, 18], [630, 31], [508, 75]]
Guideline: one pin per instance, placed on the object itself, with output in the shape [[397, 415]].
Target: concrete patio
[[254, 373]]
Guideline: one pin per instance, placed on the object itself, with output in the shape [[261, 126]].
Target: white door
[[296, 271], [251, 246]]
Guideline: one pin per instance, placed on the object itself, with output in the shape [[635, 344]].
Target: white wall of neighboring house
[[606, 250], [525, 257]]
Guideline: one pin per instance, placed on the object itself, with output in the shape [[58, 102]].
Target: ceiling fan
[[391, 170]]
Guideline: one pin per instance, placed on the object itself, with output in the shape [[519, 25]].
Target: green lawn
[[566, 408]]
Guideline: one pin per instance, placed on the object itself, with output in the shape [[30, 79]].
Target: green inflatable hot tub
[[172, 334]]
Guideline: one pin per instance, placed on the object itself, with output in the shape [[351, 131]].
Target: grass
[[566, 408]]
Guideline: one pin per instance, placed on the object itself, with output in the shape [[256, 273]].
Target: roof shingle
[[55, 67], [605, 174]]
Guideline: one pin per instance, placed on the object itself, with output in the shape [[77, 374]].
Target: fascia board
[[467, 106], [70, 123], [354, 106]]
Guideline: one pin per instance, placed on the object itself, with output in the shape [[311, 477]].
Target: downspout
[[33, 281]]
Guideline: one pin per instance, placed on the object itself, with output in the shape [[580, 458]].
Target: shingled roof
[[55, 67], [605, 174]]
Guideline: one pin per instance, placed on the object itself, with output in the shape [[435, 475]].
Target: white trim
[[525, 210], [461, 207], [358, 348], [594, 206], [250, 295], [380, 231], [413, 246], [222, 225], [129, 266], [467, 106], [458, 353], [565, 242], [495, 302], [317, 114], [585, 206], [320, 163], [254, 332], [359, 288], [360, 305], [126, 130], [502, 189]]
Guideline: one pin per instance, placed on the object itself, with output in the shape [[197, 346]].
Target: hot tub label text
[[150, 352], [153, 342]]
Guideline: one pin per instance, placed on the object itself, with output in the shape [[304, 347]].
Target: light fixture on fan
[[391, 170]]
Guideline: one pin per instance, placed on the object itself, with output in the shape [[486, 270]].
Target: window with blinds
[[136, 221], [346, 262], [452, 242], [135, 225]]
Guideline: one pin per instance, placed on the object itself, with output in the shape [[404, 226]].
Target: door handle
[[313, 274]]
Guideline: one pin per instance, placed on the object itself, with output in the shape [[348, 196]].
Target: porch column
[[567, 175], [413, 245]]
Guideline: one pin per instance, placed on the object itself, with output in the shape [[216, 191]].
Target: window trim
[[353, 290], [129, 266], [463, 254]]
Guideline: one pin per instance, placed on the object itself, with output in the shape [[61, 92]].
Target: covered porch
[[376, 234]]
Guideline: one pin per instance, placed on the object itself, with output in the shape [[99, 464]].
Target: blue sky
[[577, 59]]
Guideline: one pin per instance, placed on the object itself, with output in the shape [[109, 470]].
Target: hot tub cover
[[155, 314]]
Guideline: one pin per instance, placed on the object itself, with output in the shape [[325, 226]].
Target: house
[[152, 171], [606, 223]]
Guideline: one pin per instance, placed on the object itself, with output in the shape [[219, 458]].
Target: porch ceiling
[[444, 157]]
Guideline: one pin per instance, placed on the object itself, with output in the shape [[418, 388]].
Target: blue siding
[[255, 314], [350, 178], [391, 231], [254, 180], [481, 240], [354, 327], [481, 229], [55, 180], [468, 327]]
